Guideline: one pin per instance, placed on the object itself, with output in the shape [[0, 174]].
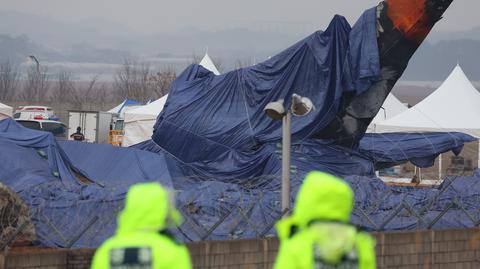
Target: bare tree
[[8, 81], [91, 95], [144, 90], [101, 96], [196, 59], [65, 91], [132, 81], [125, 79], [36, 86], [161, 81]]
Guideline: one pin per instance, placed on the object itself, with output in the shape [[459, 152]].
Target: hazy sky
[[153, 16]]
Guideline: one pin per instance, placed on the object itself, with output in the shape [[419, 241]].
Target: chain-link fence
[[15, 221], [50, 214], [221, 211]]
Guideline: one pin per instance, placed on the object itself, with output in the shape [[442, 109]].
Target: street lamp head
[[275, 110], [37, 63], [34, 59], [301, 106]]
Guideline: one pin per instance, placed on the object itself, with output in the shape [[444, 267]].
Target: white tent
[[117, 108], [454, 106], [5, 111], [139, 122], [124, 106], [208, 64], [390, 108]]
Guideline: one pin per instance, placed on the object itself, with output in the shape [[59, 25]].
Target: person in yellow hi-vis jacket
[[140, 241], [318, 233]]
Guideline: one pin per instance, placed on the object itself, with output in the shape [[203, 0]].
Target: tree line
[[133, 80]]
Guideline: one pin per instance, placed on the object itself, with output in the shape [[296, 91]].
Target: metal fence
[[246, 214], [15, 221]]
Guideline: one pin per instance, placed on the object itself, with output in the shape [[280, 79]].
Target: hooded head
[[323, 197], [79, 129], [147, 208]]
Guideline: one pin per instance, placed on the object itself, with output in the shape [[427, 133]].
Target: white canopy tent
[[208, 64], [454, 106], [124, 106], [390, 108], [139, 122], [5, 111]]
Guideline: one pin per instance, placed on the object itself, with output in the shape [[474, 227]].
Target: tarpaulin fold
[[224, 113], [60, 212], [214, 145], [421, 149]]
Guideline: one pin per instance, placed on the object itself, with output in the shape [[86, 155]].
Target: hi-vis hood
[[322, 197], [147, 208]]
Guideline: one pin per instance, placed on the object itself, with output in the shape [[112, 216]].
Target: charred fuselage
[[402, 26]]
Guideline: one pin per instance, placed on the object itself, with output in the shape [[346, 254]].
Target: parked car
[[35, 113], [58, 129]]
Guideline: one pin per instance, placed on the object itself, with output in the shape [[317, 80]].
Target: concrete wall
[[414, 249], [429, 249], [29, 258], [252, 254]]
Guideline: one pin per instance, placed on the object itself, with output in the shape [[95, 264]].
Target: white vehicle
[[95, 125], [34, 113], [58, 129]]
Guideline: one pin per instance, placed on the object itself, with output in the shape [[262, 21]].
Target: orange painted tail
[[415, 18]]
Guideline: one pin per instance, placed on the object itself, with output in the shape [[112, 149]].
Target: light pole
[[34, 59], [301, 106]]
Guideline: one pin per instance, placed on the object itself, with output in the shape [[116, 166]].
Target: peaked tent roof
[[126, 103], [454, 106], [139, 122], [208, 64], [5, 111], [390, 108], [146, 112]]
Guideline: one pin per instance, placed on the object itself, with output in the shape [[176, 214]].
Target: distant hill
[[16, 49], [99, 41], [60, 35], [433, 62], [473, 34]]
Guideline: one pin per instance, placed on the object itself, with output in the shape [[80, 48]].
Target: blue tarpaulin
[[223, 115], [421, 149], [216, 148], [62, 211], [40, 143], [62, 200], [113, 166]]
